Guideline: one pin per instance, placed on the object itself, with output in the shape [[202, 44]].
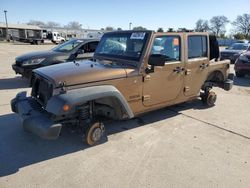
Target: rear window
[[197, 46]]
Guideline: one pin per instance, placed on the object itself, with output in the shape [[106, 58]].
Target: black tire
[[209, 99], [94, 133], [239, 74]]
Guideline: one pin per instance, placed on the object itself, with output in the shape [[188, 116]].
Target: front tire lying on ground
[[209, 98], [94, 133]]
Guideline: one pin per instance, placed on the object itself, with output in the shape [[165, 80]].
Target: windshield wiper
[[115, 61]]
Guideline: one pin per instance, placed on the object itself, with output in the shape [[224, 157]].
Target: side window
[[168, 46], [92, 46], [197, 46]]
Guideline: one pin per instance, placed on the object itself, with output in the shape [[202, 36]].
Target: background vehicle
[[242, 65], [75, 49], [234, 51], [55, 37], [133, 72]]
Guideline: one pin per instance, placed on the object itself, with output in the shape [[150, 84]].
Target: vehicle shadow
[[19, 148], [14, 83], [242, 81]]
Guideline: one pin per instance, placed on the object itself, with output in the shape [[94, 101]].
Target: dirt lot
[[181, 146]]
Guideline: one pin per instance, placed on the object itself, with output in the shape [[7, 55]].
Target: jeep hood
[[80, 72]]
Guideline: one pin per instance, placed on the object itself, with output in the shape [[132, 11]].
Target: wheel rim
[[96, 135], [211, 99]]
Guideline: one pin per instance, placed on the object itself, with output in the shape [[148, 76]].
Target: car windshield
[[68, 46], [128, 46], [238, 47]]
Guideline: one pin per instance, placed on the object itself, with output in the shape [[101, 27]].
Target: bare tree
[[139, 28], [242, 24], [109, 28], [160, 29], [74, 25], [202, 26], [37, 23], [217, 24], [52, 24]]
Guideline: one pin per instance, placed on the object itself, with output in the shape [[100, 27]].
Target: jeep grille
[[42, 90]]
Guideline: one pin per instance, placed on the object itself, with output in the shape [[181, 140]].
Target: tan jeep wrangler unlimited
[[133, 72]]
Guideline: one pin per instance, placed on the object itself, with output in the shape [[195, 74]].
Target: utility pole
[[130, 24], [6, 21]]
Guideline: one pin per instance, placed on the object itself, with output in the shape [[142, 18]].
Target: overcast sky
[[96, 14]]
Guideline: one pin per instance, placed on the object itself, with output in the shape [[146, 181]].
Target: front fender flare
[[77, 97]]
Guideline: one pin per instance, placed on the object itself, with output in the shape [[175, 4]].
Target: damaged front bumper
[[34, 118]]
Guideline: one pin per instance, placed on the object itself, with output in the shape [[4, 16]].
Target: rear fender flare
[[215, 78]]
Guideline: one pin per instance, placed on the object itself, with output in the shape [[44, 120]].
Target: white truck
[[54, 36]]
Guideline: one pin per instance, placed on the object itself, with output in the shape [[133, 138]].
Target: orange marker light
[[66, 108]]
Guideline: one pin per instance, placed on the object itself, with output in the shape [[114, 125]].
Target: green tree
[[160, 29], [170, 30]]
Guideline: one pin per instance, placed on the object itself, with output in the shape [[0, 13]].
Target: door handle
[[178, 69], [203, 65]]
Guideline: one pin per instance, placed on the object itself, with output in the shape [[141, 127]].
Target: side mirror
[[157, 60]]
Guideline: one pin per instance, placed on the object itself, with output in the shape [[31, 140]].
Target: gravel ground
[[181, 146]]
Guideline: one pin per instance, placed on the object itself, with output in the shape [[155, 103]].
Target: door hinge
[[146, 97], [146, 78], [186, 89], [188, 71]]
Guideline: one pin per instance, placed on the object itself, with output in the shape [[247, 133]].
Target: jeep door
[[197, 63], [166, 82]]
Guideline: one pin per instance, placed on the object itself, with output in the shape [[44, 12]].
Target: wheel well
[[216, 78], [109, 107]]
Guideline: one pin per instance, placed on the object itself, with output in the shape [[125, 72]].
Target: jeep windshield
[[68, 46], [124, 45]]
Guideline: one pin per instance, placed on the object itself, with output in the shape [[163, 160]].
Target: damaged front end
[[34, 118], [32, 111]]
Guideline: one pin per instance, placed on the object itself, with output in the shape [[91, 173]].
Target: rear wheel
[[209, 98], [94, 133]]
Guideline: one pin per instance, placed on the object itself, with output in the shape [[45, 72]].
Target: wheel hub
[[97, 134], [212, 99]]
